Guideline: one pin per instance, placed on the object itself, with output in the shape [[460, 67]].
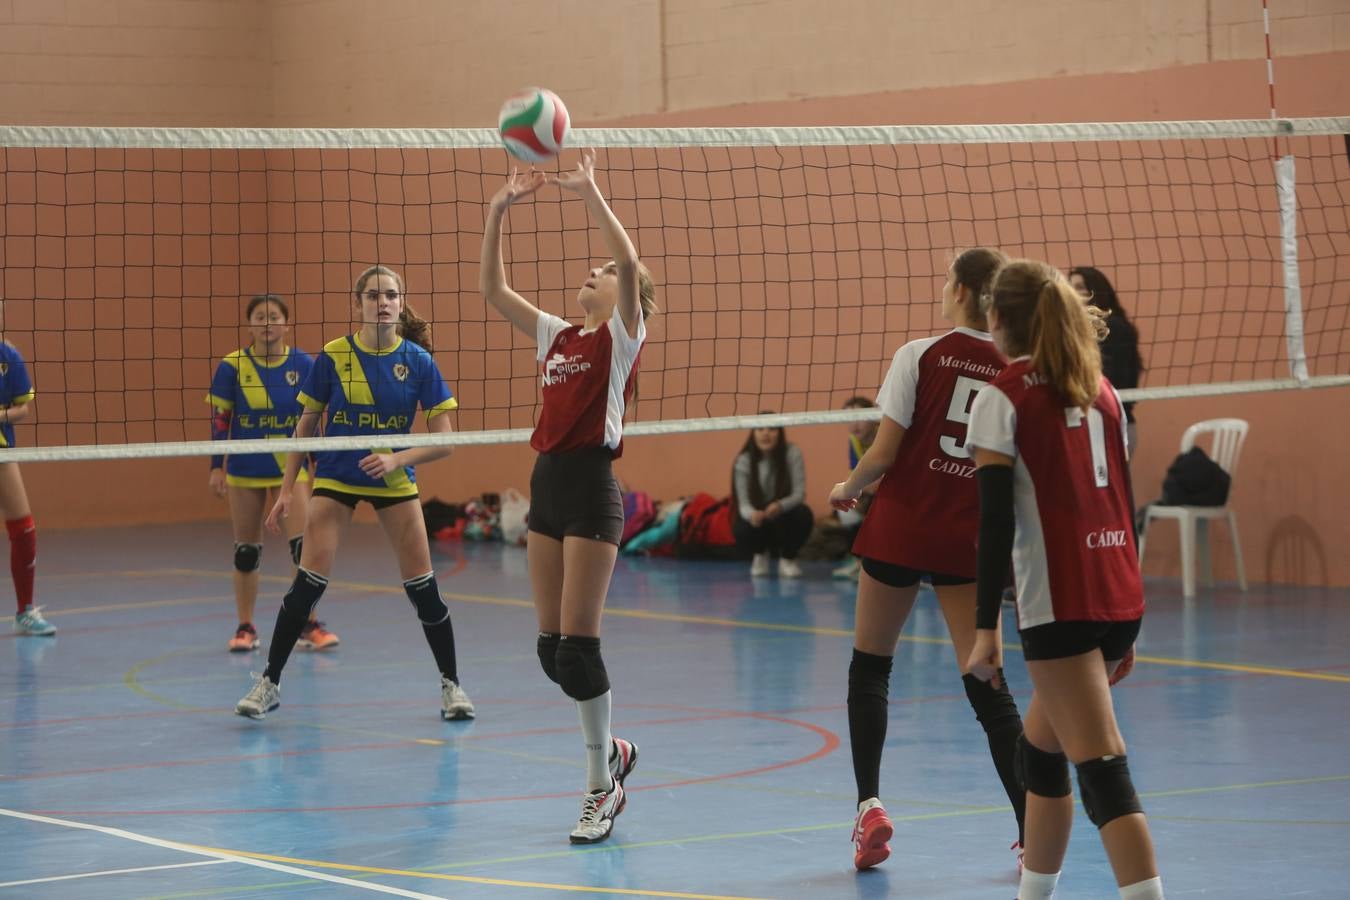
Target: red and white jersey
[[1074, 554], [587, 383], [926, 513]]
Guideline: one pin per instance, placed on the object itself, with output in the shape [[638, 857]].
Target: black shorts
[[575, 494], [896, 576], [1057, 640], [350, 500]]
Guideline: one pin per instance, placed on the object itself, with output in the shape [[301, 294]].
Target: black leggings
[[783, 536]]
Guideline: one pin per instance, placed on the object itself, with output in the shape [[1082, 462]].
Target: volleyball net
[[790, 262]]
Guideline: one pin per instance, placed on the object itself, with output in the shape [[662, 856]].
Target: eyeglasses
[[374, 296]]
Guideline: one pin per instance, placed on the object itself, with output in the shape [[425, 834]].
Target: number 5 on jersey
[[958, 410]]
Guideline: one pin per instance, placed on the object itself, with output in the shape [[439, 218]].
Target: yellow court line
[[705, 838], [473, 879], [1274, 671], [138, 604]]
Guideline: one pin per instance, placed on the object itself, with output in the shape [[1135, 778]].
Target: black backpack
[[1194, 479]]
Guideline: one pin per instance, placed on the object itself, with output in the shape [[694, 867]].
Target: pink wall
[[331, 62]]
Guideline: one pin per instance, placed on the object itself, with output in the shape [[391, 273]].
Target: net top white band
[[168, 449], [486, 138]]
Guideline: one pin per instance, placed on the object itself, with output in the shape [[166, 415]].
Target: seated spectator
[[768, 489]]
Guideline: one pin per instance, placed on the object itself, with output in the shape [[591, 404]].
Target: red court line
[[829, 743]]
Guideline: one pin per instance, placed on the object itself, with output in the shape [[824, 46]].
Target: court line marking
[[222, 855], [691, 839], [287, 865], [1274, 671], [204, 862]]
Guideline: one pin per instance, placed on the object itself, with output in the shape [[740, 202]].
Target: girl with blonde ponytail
[[1048, 436]]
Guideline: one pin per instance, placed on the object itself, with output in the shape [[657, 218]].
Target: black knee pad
[[425, 596], [296, 543], [1042, 773], [994, 706], [1106, 789], [247, 557], [869, 675], [547, 647], [581, 671]]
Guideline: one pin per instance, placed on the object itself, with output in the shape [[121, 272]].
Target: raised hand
[[580, 178], [516, 187]]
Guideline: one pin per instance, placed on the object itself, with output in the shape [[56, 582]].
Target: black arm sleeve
[[997, 526]]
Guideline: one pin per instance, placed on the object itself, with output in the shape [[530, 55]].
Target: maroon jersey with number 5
[[926, 513], [1074, 554]]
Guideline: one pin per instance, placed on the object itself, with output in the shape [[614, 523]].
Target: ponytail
[[1042, 316], [414, 328]]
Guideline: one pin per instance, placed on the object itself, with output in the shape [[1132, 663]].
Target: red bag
[[705, 521]]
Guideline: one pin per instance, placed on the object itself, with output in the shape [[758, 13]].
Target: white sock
[[1035, 886], [868, 804], [1143, 890], [594, 714]]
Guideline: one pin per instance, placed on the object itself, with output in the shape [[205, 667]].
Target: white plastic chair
[[1229, 435]]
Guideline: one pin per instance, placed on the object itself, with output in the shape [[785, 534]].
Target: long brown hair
[[782, 478], [1041, 315], [412, 326], [975, 268]]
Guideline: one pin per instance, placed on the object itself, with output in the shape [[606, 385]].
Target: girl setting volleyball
[[576, 514]]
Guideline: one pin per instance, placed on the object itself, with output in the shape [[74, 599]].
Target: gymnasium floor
[[126, 775]]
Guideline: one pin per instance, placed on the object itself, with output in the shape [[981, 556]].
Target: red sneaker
[[871, 831], [315, 637], [245, 639]]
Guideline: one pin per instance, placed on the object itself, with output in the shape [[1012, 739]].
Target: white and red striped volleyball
[[533, 125]]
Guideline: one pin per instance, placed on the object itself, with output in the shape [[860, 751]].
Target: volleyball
[[533, 125]]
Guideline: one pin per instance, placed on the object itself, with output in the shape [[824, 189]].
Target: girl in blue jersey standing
[[255, 394], [16, 404], [368, 383]]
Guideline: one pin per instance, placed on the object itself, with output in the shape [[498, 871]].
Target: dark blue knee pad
[[304, 594], [425, 596], [296, 543], [1042, 773], [247, 557], [547, 647], [581, 671], [1106, 788]]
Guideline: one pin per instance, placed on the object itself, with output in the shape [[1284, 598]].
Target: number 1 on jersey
[[1073, 418]]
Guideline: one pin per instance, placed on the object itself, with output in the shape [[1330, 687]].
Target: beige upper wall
[[348, 63]]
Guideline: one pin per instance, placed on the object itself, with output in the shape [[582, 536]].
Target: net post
[[1287, 189]]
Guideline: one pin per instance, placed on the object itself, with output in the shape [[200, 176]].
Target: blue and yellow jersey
[[16, 388], [376, 393], [263, 402]]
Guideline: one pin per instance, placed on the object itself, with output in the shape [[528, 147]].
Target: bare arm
[[306, 427], [13, 415], [414, 456], [491, 273], [620, 246], [875, 462]]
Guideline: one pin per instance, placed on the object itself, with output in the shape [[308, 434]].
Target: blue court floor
[[125, 773]]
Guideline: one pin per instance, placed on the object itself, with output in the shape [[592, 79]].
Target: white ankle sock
[[1143, 890], [1035, 886], [594, 715]]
